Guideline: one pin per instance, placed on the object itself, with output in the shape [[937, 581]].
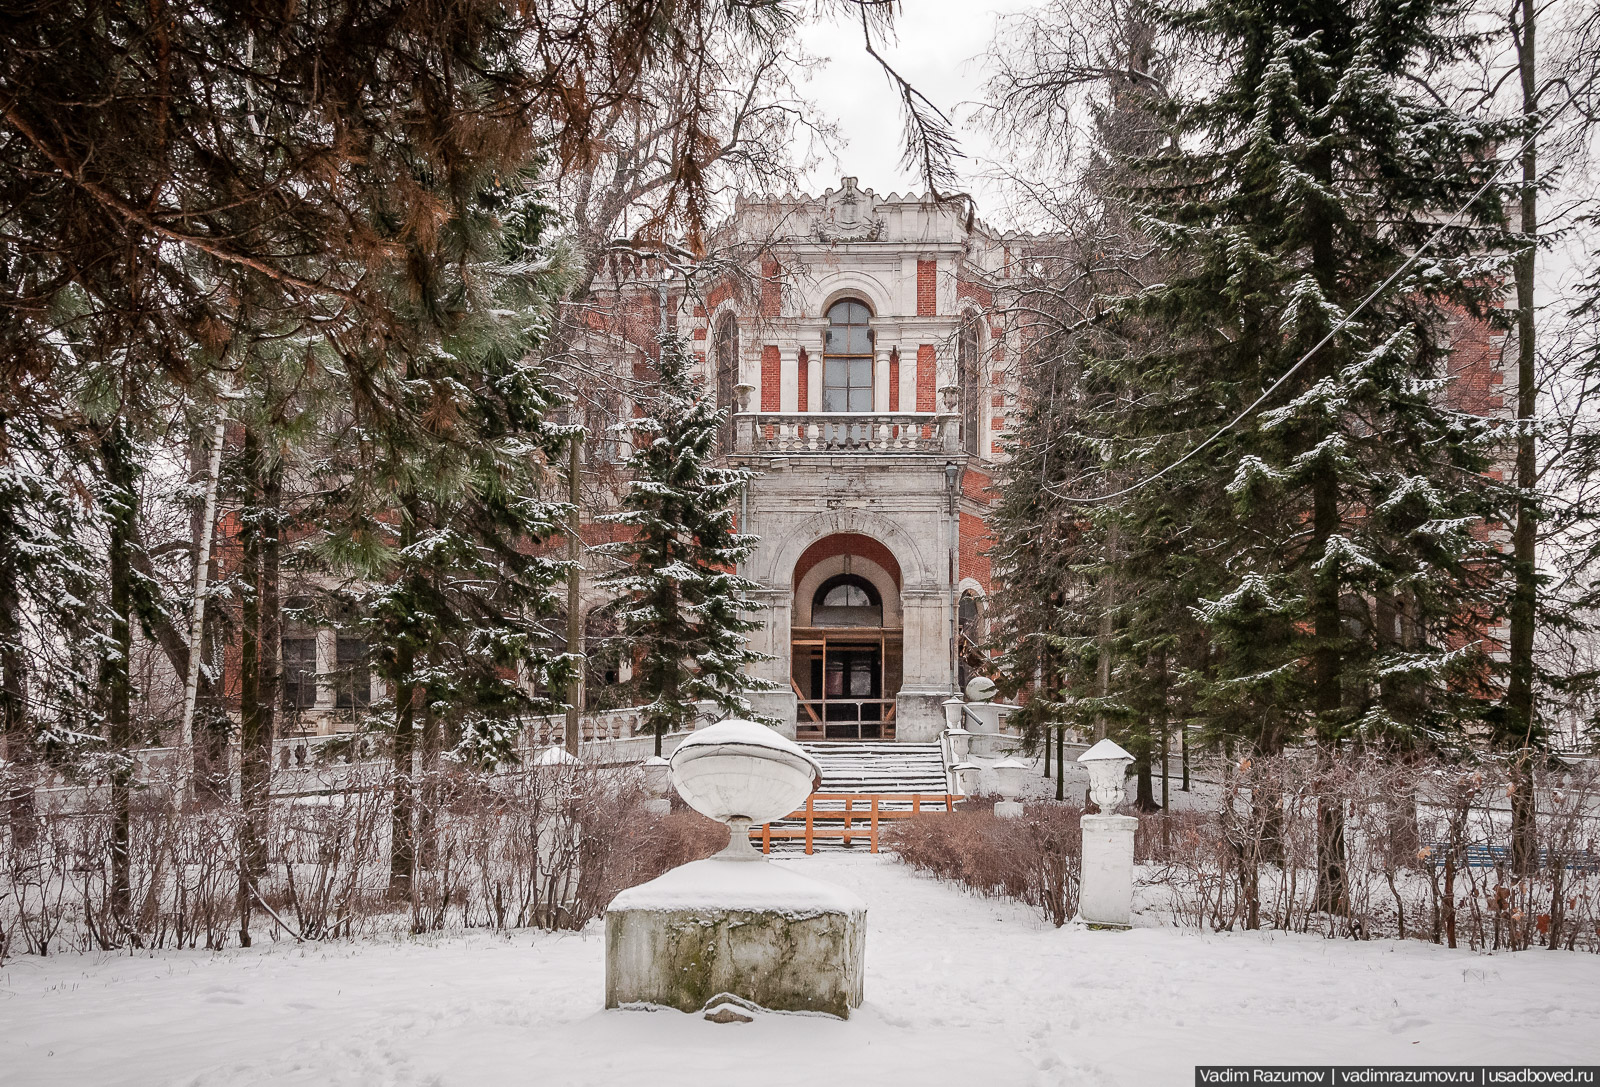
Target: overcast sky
[[939, 46]]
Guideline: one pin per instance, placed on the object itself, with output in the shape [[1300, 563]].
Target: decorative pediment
[[848, 215]]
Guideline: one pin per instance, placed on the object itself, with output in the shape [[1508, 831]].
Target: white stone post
[[657, 778], [1105, 895]]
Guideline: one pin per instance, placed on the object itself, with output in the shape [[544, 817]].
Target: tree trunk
[[1333, 893], [201, 539], [270, 688], [574, 608], [117, 459], [402, 845], [1061, 762], [254, 762], [1144, 798], [14, 745], [430, 793], [1518, 709]]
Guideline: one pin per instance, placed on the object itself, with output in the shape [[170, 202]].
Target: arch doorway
[[847, 639]]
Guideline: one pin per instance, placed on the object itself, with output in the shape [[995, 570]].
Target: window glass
[[354, 684], [847, 596], [299, 672]]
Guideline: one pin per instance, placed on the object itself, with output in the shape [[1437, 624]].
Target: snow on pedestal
[[1105, 895], [736, 923]]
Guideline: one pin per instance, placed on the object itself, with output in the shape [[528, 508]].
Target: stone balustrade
[[848, 432]]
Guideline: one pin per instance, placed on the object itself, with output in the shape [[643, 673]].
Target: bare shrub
[[1036, 859], [545, 847], [1426, 853]]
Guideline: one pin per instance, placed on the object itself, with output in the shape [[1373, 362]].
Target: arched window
[[969, 621], [846, 600], [847, 358], [971, 383], [726, 356]]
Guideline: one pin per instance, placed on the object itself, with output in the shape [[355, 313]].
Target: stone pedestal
[[775, 938], [918, 715], [1008, 809], [1106, 895]]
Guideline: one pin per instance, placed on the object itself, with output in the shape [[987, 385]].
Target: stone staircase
[[887, 771], [879, 767]]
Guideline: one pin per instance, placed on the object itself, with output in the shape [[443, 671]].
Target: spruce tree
[[686, 609], [434, 512], [1341, 524]]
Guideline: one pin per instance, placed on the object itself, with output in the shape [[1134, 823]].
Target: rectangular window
[[847, 385], [354, 685], [299, 673]]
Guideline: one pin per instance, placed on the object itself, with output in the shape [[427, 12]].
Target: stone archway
[[915, 569], [846, 639]]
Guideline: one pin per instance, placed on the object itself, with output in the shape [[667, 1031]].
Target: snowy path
[[959, 991]]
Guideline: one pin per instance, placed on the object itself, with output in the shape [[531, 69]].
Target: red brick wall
[[927, 288], [974, 549], [771, 390], [975, 485], [847, 543], [894, 379], [926, 377], [966, 288], [1476, 365], [804, 377], [771, 289]]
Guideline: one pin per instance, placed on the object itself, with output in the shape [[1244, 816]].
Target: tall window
[[971, 386], [847, 359], [299, 656], [726, 354]]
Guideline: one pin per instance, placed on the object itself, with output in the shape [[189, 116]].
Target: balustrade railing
[[850, 432]]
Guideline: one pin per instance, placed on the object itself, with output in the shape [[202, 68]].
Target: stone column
[[773, 640], [814, 379], [789, 379], [327, 664], [919, 707]]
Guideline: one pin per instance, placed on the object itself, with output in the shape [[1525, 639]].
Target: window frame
[[855, 363]]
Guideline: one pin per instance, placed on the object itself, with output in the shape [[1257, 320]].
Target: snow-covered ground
[[959, 991]]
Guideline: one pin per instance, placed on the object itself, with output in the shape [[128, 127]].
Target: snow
[[1105, 751], [739, 885], [959, 991], [747, 734]]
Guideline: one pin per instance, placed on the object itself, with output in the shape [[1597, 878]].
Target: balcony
[[785, 433]]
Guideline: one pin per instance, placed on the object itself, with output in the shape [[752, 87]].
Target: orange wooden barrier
[[845, 823]]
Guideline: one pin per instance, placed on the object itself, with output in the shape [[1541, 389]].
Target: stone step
[[865, 769]]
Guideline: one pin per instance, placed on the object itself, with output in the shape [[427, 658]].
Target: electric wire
[[1494, 179]]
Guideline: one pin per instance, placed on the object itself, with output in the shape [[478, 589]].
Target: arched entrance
[[846, 639]]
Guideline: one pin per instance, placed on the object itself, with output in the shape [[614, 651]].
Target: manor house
[[867, 382]]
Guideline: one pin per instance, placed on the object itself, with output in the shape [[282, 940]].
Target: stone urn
[[741, 773], [1008, 783], [735, 926]]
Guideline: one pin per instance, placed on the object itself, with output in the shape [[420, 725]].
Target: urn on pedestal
[[1105, 898], [736, 923]]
